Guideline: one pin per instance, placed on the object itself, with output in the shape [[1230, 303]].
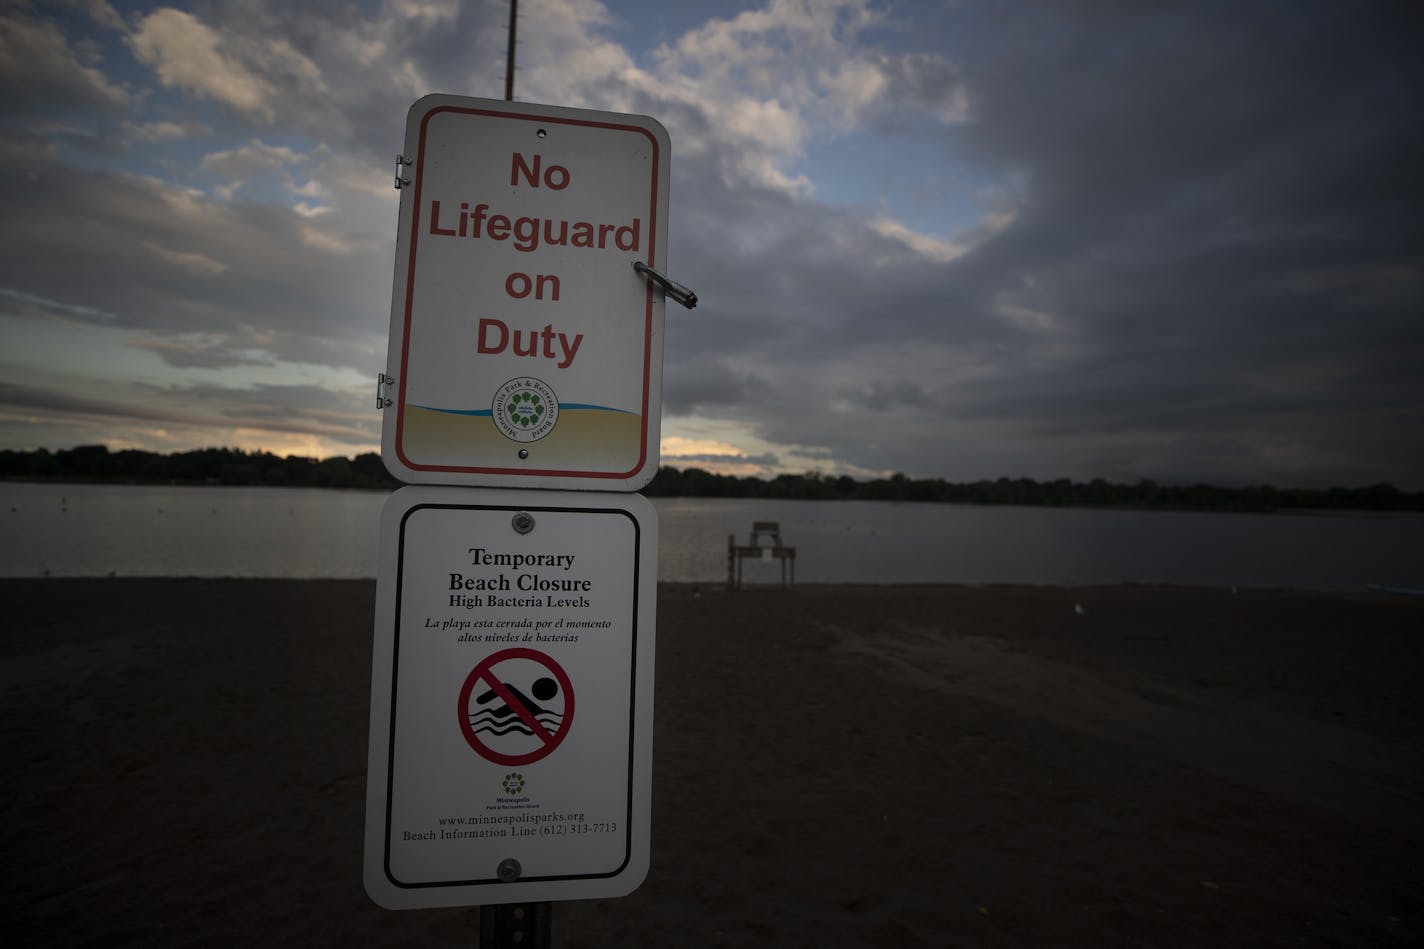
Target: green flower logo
[[525, 409], [513, 782]]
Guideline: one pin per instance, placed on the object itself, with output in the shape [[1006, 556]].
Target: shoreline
[[834, 765], [1382, 498]]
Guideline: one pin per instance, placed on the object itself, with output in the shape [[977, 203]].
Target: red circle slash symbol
[[508, 709]]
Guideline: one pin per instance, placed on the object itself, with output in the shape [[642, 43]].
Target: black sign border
[[395, 678]]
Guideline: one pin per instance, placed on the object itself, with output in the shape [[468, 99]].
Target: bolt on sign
[[510, 749], [525, 349]]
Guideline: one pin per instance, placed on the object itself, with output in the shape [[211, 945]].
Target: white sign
[[511, 697], [526, 350]]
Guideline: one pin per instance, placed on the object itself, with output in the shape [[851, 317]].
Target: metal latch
[[671, 289]]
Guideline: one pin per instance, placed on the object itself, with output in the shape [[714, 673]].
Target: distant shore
[[236, 468], [833, 766]]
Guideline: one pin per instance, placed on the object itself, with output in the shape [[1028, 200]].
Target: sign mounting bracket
[[674, 291]]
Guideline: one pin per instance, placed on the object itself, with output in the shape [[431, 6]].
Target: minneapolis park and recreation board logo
[[525, 409], [513, 783]]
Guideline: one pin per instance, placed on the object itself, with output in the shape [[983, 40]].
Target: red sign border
[[410, 299]]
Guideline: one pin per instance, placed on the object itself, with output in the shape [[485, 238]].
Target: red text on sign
[[496, 337], [529, 233], [556, 178], [520, 285]]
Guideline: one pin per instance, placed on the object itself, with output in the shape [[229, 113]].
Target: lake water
[[127, 530]]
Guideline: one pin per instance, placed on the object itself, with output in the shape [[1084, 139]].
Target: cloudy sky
[[955, 239]]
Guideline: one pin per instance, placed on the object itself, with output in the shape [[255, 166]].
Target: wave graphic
[[488, 721], [476, 413]]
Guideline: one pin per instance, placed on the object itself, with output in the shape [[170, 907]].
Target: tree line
[[694, 482], [231, 466]]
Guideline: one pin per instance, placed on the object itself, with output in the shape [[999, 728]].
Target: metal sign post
[[517, 926]]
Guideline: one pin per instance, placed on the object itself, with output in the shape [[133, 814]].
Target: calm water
[[97, 530]]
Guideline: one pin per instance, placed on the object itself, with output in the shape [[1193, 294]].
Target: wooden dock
[[755, 550]]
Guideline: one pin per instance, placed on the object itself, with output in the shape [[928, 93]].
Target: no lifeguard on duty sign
[[525, 350]]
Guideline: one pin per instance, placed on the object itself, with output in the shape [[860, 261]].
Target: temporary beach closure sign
[[526, 351], [511, 723]]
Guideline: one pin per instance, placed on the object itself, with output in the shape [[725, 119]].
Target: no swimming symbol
[[516, 706]]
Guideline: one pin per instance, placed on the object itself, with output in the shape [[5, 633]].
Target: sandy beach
[[834, 766]]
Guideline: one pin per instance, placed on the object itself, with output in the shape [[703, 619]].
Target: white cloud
[[198, 350], [186, 53], [33, 306], [350, 173], [429, 11], [254, 158], [683, 445], [939, 249], [935, 248], [248, 74], [310, 189], [150, 133], [408, 77], [754, 92], [1025, 318], [294, 173], [805, 57], [103, 13], [191, 261], [324, 240]]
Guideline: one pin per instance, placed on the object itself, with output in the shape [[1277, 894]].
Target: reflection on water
[[128, 530], [142, 530]]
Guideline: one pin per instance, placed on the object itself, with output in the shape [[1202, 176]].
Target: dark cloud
[[140, 255], [721, 460], [53, 400], [198, 354], [1201, 252], [1215, 264], [45, 75], [329, 413]]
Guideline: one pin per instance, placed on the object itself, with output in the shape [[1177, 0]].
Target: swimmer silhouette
[[544, 689]]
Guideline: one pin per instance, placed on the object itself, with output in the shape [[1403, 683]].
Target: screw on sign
[[516, 706]]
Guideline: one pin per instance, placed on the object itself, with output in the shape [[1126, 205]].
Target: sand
[[834, 766]]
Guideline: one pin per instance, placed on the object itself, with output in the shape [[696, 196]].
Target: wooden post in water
[[731, 561], [737, 552]]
